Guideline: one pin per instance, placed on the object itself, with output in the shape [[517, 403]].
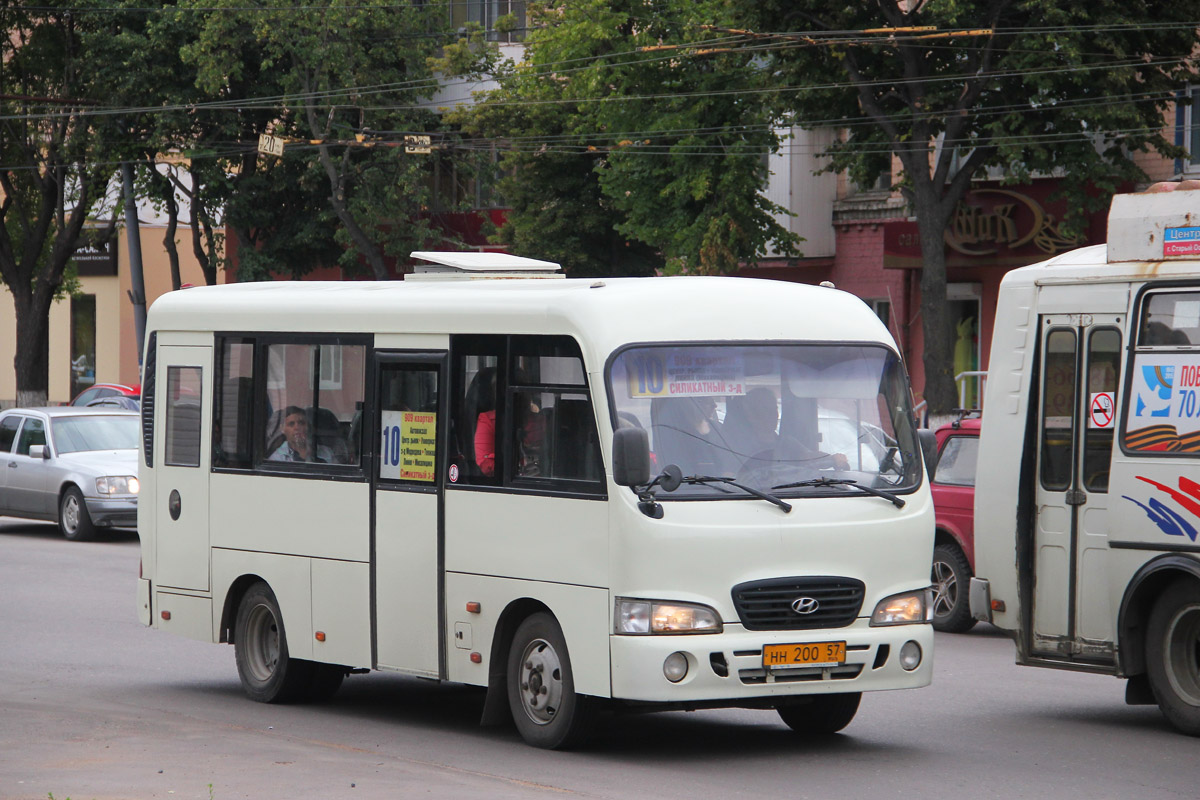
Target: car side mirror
[[929, 449], [39, 451], [631, 457]]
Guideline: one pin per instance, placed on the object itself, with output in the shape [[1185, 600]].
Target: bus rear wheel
[[541, 687], [267, 673], [1173, 655], [822, 714]]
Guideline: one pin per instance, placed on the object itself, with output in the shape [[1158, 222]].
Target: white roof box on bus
[[1159, 224], [475, 265]]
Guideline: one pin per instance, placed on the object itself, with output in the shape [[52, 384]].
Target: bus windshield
[[771, 415]]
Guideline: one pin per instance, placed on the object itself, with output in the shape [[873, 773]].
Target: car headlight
[[119, 484], [907, 608], [656, 617]]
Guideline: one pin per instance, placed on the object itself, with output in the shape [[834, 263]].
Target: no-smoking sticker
[[1102, 410]]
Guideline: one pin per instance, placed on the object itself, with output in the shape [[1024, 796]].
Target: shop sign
[[95, 254], [992, 226]]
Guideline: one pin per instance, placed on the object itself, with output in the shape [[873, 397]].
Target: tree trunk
[[32, 361], [939, 392]]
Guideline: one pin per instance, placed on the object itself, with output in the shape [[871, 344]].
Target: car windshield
[[771, 415], [76, 434]]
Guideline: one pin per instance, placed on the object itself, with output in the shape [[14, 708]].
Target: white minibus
[[655, 493], [1087, 503]]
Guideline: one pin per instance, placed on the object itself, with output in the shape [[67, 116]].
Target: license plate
[[813, 654]]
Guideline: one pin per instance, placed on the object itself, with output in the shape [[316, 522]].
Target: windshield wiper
[[748, 489], [896, 501]]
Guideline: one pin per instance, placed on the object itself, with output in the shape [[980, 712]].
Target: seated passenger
[[297, 440], [752, 423]]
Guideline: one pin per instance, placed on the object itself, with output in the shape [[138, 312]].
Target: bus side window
[[234, 403], [474, 443], [553, 424], [313, 391], [183, 417]]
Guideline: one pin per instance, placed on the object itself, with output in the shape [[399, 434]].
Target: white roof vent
[[1159, 224], [475, 265]]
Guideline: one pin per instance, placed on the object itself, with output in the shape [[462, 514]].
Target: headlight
[[652, 616], [903, 609], [121, 484]]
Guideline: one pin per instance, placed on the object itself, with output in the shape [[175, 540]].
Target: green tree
[[53, 171], [352, 77], [1033, 87], [625, 148]]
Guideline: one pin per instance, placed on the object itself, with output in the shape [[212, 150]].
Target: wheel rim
[[70, 513], [262, 634], [541, 685], [1183, 653], [945, 589]]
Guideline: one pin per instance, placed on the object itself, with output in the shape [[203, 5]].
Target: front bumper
[[727, 668], [117, 512]]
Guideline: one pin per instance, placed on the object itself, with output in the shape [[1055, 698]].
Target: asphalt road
[[93, 705]]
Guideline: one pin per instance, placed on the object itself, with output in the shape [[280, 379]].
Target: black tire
[[822, 714], [541, 687], [951, 577], [268, 674], [1173, 654], [73, 518]]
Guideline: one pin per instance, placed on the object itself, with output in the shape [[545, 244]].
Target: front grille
[[846, 672], [767, 605]]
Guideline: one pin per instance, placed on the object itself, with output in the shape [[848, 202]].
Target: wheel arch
[[233, 598], [1144, 588], [495, 706], [944, 534], [68, 483]]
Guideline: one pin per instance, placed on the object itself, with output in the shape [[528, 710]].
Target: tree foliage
[[354, 77], [624, 149], [52, 171], [952, 88]]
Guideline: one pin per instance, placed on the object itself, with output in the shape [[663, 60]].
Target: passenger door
[[407, 551], [27, 477], [1080, 365], [182, 449], [9, 425]]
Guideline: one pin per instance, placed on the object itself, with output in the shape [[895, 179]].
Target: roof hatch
[[475, 265]]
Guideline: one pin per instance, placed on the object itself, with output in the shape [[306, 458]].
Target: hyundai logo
[[805, 605]]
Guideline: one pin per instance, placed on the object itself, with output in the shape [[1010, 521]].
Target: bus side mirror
[[928, 441], [631, 457]]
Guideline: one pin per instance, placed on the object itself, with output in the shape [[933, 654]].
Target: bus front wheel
[[541, 688], [1173, 655], [267, 673], [822, 714]]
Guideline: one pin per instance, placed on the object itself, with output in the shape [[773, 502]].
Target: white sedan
[[71, 465]]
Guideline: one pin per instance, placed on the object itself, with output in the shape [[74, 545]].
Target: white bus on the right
[[1087, 504]]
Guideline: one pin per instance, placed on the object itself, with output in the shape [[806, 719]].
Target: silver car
[[71, 465]]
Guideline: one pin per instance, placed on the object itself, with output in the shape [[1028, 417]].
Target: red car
[[953, 487], [99, 390]]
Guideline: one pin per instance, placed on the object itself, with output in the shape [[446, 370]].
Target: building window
[[1191, 128], [83, 342], [883, 310], [487, 13]]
